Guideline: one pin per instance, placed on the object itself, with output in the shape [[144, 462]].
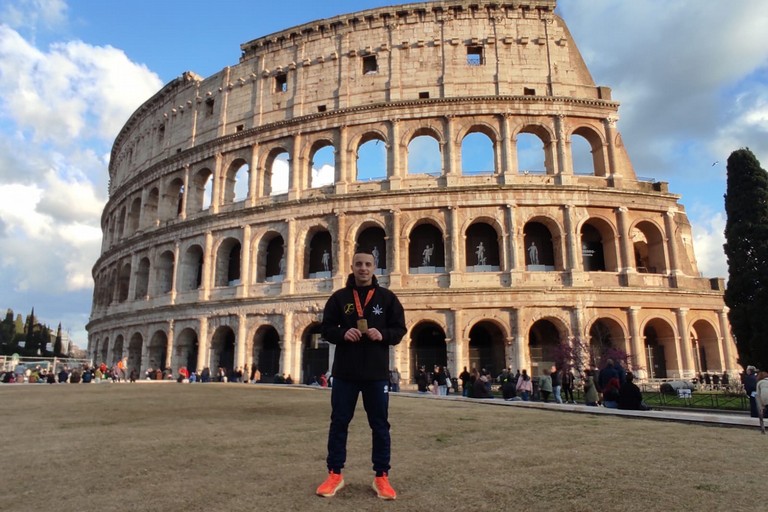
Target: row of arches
[[488, 345], [428, 251], [185, 193]]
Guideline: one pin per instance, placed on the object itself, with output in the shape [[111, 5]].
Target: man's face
[[362, 268]]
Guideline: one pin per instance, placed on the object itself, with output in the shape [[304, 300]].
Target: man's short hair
[[364, 250]]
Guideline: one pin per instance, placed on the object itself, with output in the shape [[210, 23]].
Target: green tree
[[746, 247], [7, 334], [57, 348]]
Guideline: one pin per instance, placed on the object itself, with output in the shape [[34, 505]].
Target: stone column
[[515, 246], [170, 347], [254, 185], [202, 343], [345, 166], [394, 159], [459, 351], [574, 264], [184, 196], [613, 173], [726, 341], [564, 166], [508, 150], [684, 342], [245, 262], [298, 170], [242, 334], [395, 249], [449, 155], [669, 227], [286, 345], [455, 237], [340, 258], [216, 188], [639, 359], [521, 357], [290, 258], [134, 276], [175, 273], [626, 265], [207, 270]]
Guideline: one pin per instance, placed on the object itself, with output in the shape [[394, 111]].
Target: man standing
[[363, 320]]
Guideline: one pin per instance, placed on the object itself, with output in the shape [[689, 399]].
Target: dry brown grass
[[229, 447]]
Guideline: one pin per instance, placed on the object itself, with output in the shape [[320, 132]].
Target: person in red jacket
[[363, 320]]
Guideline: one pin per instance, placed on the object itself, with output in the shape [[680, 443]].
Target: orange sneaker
[[332, 484], [382, 488]]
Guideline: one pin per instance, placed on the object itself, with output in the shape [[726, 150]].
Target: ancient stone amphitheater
[[465, 140]]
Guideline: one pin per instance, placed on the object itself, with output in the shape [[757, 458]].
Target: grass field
[[231, 447]]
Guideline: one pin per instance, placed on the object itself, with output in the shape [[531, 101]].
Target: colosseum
[[465, 141]]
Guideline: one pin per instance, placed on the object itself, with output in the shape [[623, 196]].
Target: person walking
[[362, 320], [524, 386], [545, 385]]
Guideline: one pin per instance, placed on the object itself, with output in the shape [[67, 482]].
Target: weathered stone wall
[[176, 273]]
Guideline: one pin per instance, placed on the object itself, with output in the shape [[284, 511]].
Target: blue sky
[[691, 75]]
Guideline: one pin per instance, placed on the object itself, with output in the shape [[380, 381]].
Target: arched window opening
[[661, 353], [185, 349], [374, 239], [424, 156], [323, 167], [223, 352], [372, 160], [134, 353], [706, 349], [172, 200], [319, 256], [539, 250], [581, 152], [158, 351], [228, 263], [314, 356], [191, 269], [134, 216], [279, 174], [543, 340], [201, 190], [648, 247], [266, 353], [117, 350], [150, 209], [531, 158], [164, 281], [275, 260], [477, 154], [592, 249], [486, 348], [124, 281], [482, 248], [236, 185], [426, 251], [142, 279], [121, 223], [428, 347]]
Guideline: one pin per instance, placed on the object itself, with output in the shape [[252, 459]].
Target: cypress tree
[[57, 348], [746, 248]]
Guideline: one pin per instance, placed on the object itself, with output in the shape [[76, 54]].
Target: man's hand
[[374, 334], [353, 335]]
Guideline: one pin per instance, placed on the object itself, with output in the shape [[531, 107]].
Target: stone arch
[[123, 282], [544, 336], [135, 347], [191, 268], [660, 343], [185, 348], [158, 350], [315, 353], [598, 245], [427, 346], [487, 339], [223, 350], [228, 262], [424, 152], [201, 191], [318, 255], [134, 216], [121, 220], [426, 248], [707, 352], [481, 246], [371, 235], [479, 150], [103, 354], [606, 334], [277, 172], [321, 163], [142, 279], [593, 163], [544, 233], [533, 143], [151, 208], [272, 257], [266, 352], [172, 200], [372, 159], [164, 273], [648, 243], [236, 181], [117, 349]]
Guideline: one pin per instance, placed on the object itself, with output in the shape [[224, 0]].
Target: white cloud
[[325, 175], [34, 13], [708, 240]]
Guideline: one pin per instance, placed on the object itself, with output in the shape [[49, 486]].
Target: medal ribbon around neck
[[357, 301]]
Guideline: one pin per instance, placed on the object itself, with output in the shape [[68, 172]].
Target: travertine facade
[[199, 269]]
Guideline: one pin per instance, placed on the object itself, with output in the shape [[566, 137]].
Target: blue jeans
[[343, 402], [558, 398], [525, 396]]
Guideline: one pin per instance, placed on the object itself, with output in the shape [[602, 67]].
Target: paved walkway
[[714, 418]]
